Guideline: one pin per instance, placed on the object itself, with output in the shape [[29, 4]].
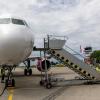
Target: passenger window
[[5, 21]]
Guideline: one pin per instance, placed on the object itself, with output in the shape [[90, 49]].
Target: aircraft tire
[[1, 71], [6, 83], [48, 85], [25, 72], [41, 83], [13, 83], [30, 72]]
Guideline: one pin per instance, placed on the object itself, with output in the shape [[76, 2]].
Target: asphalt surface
[[28, 87]]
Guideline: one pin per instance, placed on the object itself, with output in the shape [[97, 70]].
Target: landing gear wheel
[[2, 78], [1, 71], [13, 82], [30, 72], [25, 72], [48, 85], [41, 83], [6, 83], [10, 83]]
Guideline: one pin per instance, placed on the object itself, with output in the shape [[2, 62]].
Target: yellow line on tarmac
[[10, 96]]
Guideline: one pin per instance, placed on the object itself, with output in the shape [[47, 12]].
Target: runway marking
[[10, 96]]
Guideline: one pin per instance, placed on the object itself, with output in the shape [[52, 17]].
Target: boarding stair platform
[[61, 53]]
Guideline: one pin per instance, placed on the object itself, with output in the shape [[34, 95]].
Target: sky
[[79, 20]]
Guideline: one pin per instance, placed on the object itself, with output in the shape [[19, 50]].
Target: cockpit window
[[5, 20], [13, 21], [18, 21]]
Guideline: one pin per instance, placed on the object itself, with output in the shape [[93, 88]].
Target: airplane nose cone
[[13, 44], [9, 37]]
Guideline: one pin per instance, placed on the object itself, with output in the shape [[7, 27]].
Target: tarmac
[[28, 87]]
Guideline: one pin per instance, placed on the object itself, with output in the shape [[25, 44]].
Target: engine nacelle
[[41, 65]]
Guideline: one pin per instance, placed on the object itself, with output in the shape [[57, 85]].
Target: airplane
[[16, 45]]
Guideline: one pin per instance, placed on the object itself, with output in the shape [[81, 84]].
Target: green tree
[[95, 56]]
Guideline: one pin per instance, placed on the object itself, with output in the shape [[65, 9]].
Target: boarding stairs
[[71, 61]]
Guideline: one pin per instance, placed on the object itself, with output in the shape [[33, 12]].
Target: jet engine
[[43, 65]]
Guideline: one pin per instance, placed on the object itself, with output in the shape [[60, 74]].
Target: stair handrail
[[66, 46]]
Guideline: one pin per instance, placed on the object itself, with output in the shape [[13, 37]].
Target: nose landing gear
[[9, 82]]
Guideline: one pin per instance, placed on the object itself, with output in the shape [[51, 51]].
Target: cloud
[[79, 19]]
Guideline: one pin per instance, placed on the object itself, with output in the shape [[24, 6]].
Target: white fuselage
[[16, 43]]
